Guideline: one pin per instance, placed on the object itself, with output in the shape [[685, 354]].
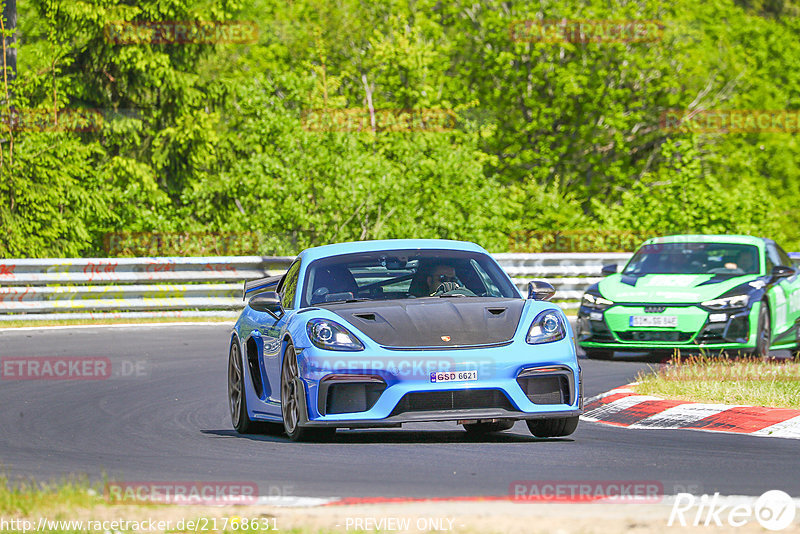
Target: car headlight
[[725, 303], [332, 336], [596, 302], [547, 327]]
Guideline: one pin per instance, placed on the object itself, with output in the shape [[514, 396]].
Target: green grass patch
[[25, 498], [723, 380]]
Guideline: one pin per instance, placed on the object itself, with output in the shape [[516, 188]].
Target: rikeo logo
[[774, 510]]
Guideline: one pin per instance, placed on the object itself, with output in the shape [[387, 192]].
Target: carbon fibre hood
[[434, 322]]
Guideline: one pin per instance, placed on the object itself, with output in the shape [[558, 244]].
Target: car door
[[271, 332], [791, 287], [783, 297]]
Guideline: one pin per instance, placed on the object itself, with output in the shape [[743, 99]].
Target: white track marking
[[785, 429], [679, 416], [599, 413], [298, 502]]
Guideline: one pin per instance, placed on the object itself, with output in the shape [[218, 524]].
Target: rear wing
[[256, 286]]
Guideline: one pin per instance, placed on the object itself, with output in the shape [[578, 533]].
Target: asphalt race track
[[167, 420]]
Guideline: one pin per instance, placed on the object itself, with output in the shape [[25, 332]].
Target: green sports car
[[732, 293]]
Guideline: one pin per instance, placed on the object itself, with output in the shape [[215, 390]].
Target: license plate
[[454, 376], [661, 321]]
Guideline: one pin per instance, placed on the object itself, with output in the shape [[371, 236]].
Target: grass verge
[[747, 381], [26, 498], [74, 505], [79, 507]]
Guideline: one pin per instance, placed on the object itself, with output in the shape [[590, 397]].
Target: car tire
[[598, 354], [763, 333], [291, 406], [479, 429], [553, 427]]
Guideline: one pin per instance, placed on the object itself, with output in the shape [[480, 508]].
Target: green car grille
[[649, 335]]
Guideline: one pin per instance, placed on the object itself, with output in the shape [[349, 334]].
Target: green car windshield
[[694, 258]]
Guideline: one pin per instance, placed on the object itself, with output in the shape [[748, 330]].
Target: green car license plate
[[659, 321]]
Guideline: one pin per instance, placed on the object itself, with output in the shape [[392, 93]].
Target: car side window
[[773, 258], [786, 261], [288, 289], [489, 287]]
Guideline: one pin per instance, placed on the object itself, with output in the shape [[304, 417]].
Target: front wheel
[[763, 334], [291, 406], [554, 427]]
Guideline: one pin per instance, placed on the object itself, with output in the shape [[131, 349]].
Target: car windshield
[[405, 274], [694, 258]]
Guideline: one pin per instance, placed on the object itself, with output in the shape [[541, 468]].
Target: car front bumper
[[388, 387], [696, 328]]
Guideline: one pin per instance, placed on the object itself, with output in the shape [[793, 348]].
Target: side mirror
[[781, 271], [268, 301], [538, 290], [609, 269]]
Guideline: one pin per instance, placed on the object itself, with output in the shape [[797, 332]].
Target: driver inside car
[[442, 279], [434, 279], [744, 262]]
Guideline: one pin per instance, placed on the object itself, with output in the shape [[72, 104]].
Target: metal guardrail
[[128, 287], [570, 273], [90, 288]]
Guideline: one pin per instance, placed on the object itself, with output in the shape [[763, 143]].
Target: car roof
[[708, 238], [324, 251]]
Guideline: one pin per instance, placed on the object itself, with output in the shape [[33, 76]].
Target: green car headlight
[[727, 303], [596, 302]]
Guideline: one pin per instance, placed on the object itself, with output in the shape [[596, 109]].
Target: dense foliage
[[350, 119]]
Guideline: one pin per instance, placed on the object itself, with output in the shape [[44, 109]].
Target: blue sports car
[[381, 333]]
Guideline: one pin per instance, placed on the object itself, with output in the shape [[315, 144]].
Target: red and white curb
[[624, 407]]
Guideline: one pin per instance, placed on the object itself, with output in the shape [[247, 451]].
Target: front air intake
[[547, 385], [465, 399], [349, 393]]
